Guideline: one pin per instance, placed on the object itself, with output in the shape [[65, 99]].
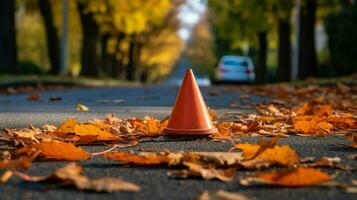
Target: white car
[[235, 69]]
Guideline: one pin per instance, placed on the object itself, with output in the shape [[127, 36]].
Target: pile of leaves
[[302, 111]]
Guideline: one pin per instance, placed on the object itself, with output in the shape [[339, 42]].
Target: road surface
[[16, 111]]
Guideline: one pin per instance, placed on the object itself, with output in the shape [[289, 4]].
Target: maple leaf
[[70, 175], [282, 155], [297, 177], [209, 173], [56, 151]]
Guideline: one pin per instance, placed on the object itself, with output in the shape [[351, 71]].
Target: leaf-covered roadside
[[307, 111]]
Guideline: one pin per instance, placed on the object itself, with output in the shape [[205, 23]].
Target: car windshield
[[235, 63]]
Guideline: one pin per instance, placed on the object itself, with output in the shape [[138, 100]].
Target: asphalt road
[[16, 111]]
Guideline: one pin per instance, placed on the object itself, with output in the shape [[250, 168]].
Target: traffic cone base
[[190, 131], [190, 115]]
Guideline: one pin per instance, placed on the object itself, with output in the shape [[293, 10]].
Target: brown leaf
[[56, 151], [298, 177], [221, 195], [70, 175], [208, 173]]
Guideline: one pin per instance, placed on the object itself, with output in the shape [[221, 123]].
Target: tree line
[[257, 23], [132, 40]]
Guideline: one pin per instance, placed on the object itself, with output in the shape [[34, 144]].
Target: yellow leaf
[[81, 107]]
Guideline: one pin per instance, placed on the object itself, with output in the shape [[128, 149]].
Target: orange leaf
[[283, 155], [24, 163], [224, 131], [67, 126], [323, 110], [144, 159], [90, 129], [295, 177], [56, 151], [310, 124], [33, 97]]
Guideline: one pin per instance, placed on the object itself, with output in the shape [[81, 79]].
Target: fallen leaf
[[33, 97], [70, 175], [297, 177], [282, 155], [221, 195], [5, 176], [330, 162], [138, 159], [311, 125], [23, 163], [196, 170], [90, 129], [67, 126], [81, 107], [55, 150]]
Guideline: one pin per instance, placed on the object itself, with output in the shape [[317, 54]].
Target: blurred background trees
[[132, 40], [138, 40]]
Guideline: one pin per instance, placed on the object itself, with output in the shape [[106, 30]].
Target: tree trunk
[[139, 67], [262, 58], [131, 67], [307, 50], [104, 56], [90, 29], [8, 49], [51, 36], [284, 52]]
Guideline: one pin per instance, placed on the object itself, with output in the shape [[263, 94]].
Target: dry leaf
[[24, 163], [140, 159], [282, 155], [90, 129], [5, 176], [56, 151], [196, 170], [298, 177], [221, 195], [70, 175], [81, 107], [33, 97]]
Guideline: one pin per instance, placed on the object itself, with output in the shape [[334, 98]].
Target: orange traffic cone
[[190, 115]]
